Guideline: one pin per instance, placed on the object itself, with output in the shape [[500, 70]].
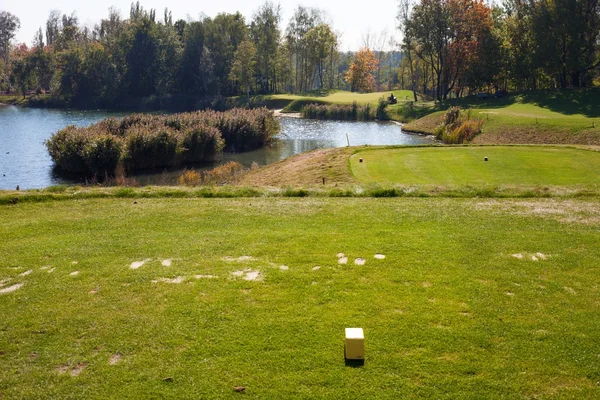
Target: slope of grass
[[569, 116], [296, 102], [507, 165], [449, 313]]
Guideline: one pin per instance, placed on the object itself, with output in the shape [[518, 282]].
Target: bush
[[381, 113], [458, 127]]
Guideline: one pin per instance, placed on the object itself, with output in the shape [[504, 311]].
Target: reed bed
[[142, 141]]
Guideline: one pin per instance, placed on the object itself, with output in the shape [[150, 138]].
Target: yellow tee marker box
[[355, 344]]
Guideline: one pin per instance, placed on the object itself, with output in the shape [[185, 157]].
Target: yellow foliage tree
[[360, 75]]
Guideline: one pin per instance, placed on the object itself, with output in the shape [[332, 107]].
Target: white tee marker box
[[355, 344]]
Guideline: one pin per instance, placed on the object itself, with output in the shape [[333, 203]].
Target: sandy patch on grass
[[3, 282], [534, 258], [45, 268], [541, 256], [343, 260], [206, 277], [518, 256], [138, 264], [284, 267], [248, 275], [340, 255], [115, 358], [177, 280], [316, 268], [568, 211], [239, 259], [12, 288], [166, 263], [51, 270], [74, 273], [74, 262], [28, 272], [75, 371], [569, 290], [379, 256], [426, 284], [360, 261], [510, 294], [93, 291]]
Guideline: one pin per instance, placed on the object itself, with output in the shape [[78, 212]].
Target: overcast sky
[[352, 19]]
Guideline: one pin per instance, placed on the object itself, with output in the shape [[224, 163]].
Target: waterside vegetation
[[148, 141]]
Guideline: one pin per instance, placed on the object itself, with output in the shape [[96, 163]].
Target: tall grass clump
[[220, 175], [149, 141], [345, 112], [458, 127]]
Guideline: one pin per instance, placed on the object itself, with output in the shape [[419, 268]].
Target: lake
[[24, 160]]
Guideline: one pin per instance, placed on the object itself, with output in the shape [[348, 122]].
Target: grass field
[[507, 165], [570, 116], [474, 299]]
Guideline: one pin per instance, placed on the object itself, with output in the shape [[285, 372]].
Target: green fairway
[[474, 299], [507, 165], [345, 97]]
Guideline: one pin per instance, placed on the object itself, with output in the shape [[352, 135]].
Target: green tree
[[9, 25], [322, 44], [265, 33], [244, 63]]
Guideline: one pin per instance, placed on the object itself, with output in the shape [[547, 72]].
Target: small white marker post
[[355, 344]]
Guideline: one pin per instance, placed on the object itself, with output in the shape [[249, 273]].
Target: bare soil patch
[[115, 358], [138, 264], [248, 275], [177, 280], [11, 289], [567, 211]]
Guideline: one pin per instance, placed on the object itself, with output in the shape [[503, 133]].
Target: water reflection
[[24, 159]]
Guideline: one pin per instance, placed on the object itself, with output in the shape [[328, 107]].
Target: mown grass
[[466, 165], [569, 116], [298, 102], [449, 313]]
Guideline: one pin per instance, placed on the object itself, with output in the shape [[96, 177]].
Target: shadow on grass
[[354, 363], [585, 101]]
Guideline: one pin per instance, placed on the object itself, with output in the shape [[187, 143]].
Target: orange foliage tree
[[360, 75]]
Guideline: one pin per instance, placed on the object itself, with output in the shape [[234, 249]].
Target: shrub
[[458, 127], [190, 178], [222, 174], [381, 113]]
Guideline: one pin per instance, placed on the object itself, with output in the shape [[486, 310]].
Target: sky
[[353, 22]]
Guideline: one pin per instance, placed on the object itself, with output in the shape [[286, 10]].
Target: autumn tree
[[360, 75]]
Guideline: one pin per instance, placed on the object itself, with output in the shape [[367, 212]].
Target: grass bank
[[561, 117], [111, 298]]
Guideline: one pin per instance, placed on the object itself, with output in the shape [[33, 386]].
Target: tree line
[[150, 55], [446, 48], [461, 47]]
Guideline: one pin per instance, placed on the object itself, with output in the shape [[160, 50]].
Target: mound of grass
[[567, 116], [507, 165], [459, 307]]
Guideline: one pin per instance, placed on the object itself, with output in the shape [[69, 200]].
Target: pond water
[[24, 160]]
